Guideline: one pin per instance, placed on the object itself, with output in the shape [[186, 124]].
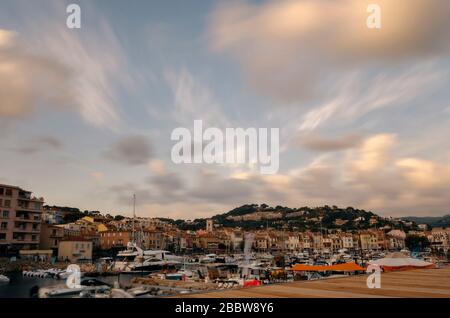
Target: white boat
[[209, 258], [4, 279], [134, 258], [87, 287]]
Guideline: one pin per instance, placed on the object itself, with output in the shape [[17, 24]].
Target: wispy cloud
[[361, 94], [194, 100], [85, 68]]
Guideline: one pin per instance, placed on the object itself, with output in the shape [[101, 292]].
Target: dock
[[427, 283]]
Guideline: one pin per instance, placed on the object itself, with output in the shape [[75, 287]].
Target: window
[[4, 226], [2, 236], [33, 237], [5, 214], [8, 192], [7, 203]]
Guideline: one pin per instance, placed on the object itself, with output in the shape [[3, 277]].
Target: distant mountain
[[433, 221]]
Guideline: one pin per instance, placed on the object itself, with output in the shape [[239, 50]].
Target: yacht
[[135, 259]]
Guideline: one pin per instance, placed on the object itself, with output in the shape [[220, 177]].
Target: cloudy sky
[[364, 115]]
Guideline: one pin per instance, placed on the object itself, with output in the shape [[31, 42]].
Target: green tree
[[416, 242]]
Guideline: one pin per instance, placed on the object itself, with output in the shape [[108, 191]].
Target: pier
[[428, 283]]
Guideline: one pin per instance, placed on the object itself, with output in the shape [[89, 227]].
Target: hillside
[[437, 221], [254, 216]]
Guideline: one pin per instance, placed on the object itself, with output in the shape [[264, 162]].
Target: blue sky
[[86, 115]]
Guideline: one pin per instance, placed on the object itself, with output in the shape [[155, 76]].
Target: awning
[[399, 261], [345, 267]]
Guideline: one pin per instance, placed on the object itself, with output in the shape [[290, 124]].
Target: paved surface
[[413, 283]]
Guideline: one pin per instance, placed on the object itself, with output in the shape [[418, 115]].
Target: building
[[209, 225], [52, 216], [154, 240], [50, 237], [368, 241], [396, 239], [75, 250], [114, 239], [20, 219], [440, 239], [347, 241]]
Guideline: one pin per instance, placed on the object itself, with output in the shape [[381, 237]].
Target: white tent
[[400, 261]]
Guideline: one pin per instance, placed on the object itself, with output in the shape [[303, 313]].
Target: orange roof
[[346, 267]]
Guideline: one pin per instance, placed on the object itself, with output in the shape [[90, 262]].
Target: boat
[[134, 258], [86, 288], [209, 258], [4, 279]]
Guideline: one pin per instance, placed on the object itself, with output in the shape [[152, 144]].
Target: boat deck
[[429, 283]]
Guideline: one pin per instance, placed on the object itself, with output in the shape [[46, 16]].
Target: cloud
[[193, 100], [84, 69], [158, 167], [285, 47], [38, 144], [210, 187], [357, 94], [133, 150], [28, 80], [317, 143], [97, 176], [374, 153]]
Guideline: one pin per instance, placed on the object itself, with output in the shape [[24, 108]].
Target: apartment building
[[440, 239], [368, 241], [347, 241], [110, 239], [20, 219]]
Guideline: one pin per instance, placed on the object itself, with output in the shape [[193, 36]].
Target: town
[[42, 240]]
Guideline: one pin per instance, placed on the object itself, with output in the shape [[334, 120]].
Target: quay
[[427, 283]]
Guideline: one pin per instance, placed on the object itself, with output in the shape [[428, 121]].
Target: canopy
[[400, 261], [345, 267]]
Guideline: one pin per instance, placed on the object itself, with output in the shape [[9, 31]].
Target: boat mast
[[134, 216]]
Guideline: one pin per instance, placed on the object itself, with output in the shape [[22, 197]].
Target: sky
[[86, 114]]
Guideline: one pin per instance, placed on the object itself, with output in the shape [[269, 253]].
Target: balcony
[[28, 218], [26, 230], [27, 208]]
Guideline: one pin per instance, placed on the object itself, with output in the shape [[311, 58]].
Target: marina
[[433, 283], [158, 273]]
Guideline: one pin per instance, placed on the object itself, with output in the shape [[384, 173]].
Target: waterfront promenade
[[414, 283]]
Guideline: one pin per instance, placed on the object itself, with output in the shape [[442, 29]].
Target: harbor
[[425, 283], [137, 273]]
